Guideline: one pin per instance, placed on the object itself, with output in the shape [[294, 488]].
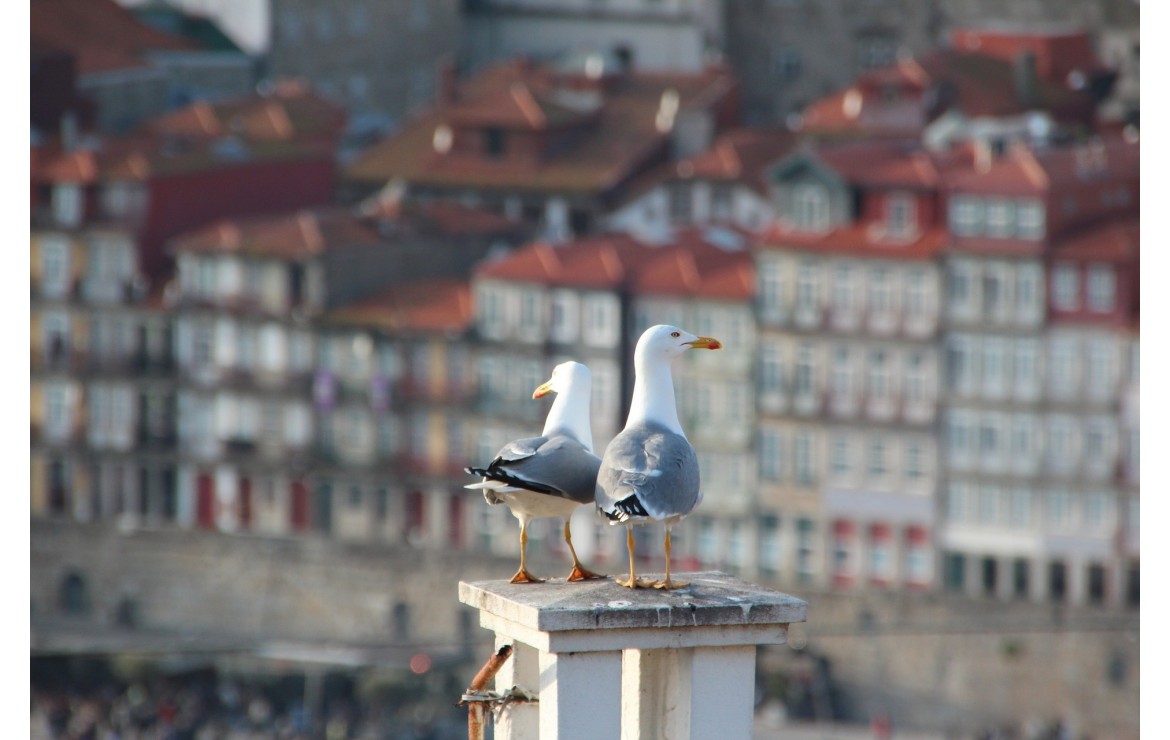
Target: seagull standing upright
[[649, 472], [550, 475]]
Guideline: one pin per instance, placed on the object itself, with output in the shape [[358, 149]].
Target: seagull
[[550, 475], [649, 472]]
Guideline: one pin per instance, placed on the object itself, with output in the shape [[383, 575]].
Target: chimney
[[1026, 78], [447, 85]]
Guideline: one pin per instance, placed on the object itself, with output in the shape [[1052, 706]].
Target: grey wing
[[518, 449], [647, 474], [561, 466]]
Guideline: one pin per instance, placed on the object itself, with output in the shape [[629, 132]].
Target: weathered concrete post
[[608, 662]]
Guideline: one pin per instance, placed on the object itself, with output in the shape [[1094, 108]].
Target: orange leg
[[633, 581], [579, 572], [666, 583], [522, 575]]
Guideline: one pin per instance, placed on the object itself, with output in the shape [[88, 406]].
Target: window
[[601, 320], [1061, 443], [879, 376], [994, 369], [1020, 503], [786, 63], [359, 20], [770, 455], [805, 370], [1026, 371], [1028, 285], [67, 204], [804, 461], [1029, 219], [708, 545], [959, 436], [880, 300], [958, 501], [843, 289], [960, 370], [915, 381], [770, 285], [1100, 288], [806, 287], [993, 298], [1100, 368], [54, 266], [1064, 362], [965, 215], [842, 373], [530, 310], [721, 204], [877, 457], [810, 208], [915, 461], [916, 293], [1065, 287], [1098, 511], [679, 194], [900, 214], [493, 141], [1024, 439], [1058, 509], [959, 288], [770, 554], [839, 457], [563, 319], [492, 311], [989, 504], [1000, 218]]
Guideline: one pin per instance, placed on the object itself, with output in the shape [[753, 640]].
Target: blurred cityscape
[[295, 264]]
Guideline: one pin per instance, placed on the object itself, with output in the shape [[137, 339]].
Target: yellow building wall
[[38, 496]]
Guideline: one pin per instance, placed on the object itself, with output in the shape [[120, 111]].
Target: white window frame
[[1066, 286], [1101, 288], [811, 207]]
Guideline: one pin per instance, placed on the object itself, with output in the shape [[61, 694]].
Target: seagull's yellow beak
[[543, 389], [706, 343]]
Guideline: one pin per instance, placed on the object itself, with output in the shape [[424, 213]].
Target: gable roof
[[901, 99], [429, 306], [103, 36], [294, 236], [712, 263], [619, 133]]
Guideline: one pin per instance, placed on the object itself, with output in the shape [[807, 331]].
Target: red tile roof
[[741, 155], [619, 139], [859, 239], [141, 157], [294, 236], [102, 35], [693, 264], [891, 101], [426, 307], [443, 216], [1114, 241], [1056, 52], [291, 110]]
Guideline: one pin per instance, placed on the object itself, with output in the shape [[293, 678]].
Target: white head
[[564, 376], [657, 348], [570, 409], [669, 342]]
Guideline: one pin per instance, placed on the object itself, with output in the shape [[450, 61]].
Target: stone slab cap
[[712, 599]]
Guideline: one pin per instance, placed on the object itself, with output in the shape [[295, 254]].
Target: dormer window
[[810, 208], [1100, 288], [493, 142], [900, 215]]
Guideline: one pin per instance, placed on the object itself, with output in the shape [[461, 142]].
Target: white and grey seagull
[[550, 475], [649, 472]]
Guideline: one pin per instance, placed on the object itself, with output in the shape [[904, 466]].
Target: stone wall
[[933, 662]]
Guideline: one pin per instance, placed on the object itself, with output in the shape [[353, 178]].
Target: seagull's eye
[[675, 334]]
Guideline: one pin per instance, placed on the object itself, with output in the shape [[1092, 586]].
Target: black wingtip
[[626, 509]]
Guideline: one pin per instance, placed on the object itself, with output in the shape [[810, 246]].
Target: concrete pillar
[[610, 662]]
